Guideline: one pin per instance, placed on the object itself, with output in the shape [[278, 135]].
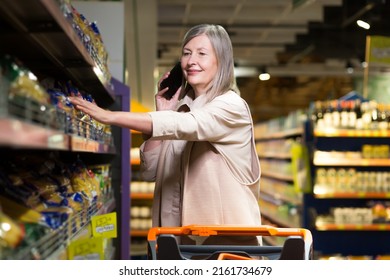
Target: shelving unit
[[39, 35], [53, 46], [281, 153], [337, 151], [347, 234], [141, 196]]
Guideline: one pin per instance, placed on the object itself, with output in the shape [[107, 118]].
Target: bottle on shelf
[[352, 114], [382, 118], [374, 115], [345, 113], [335, 105], [366, 115], [387, 113], [328, 116], [318, 114]]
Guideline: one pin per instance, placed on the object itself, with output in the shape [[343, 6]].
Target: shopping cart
[[163, 245]]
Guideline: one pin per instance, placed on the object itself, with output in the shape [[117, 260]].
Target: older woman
[[200, 147]]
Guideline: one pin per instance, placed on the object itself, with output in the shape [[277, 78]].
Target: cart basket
[[163, 245]]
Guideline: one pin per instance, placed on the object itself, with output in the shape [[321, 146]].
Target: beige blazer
[[211, 175]]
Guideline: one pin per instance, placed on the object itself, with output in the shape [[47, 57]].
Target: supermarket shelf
[[352, 195], [276, 175], [350, 162], [281, 222], [351, 133], [54, 243], [276, 156], [39, 35], [135, 161], [352, 227], [22, 134], [277, 196], [138, 233], [80, 144], [281, 134], [53, 45], [141, 195]]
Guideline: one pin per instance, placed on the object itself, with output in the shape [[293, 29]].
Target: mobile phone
[[173, 81]]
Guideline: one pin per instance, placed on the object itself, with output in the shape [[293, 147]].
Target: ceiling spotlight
[[264, 75], [363, 62], [349, 67], [363, 24]]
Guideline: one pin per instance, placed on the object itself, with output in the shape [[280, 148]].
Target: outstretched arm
[[138, 121], [141, 122]]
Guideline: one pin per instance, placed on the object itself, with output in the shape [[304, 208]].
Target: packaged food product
[[22, 82], [11, 234]]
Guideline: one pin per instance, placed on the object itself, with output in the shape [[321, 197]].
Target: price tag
[[361, 194], [382, 227], [86, 249], [104, 225]]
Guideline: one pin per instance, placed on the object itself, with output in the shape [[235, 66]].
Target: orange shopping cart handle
[[206, 230], [298, 243]]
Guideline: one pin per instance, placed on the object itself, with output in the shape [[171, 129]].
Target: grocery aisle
[[324, 166], [326, 169]]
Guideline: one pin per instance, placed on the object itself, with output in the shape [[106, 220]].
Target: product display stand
[[344, 198], [39, 35], [342, 221], [283, 171]]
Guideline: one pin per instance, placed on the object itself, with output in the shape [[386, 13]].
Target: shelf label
[[86, 249], [359, 227], [341, 227], [104, 225], [382, 227], [361, 194]]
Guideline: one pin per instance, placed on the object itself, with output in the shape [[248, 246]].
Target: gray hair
[[220, 40]]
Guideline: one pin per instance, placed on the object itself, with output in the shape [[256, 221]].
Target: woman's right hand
[[91, 109], [163, 103]]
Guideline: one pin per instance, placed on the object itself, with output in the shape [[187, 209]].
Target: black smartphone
[[173, 81]]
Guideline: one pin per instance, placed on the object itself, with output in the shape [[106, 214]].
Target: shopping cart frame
[[162, 243]]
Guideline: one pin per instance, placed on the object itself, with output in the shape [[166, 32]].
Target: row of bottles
[[351, 114], [352, 180], [375, 212]]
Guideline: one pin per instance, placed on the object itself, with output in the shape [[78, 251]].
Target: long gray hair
[[220, 40]]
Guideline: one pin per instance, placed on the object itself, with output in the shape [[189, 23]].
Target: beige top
[[211, 176]]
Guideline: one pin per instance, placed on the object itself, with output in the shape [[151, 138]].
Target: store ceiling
[[304, 45]]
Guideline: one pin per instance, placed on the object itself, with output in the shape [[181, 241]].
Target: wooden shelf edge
[[141, 195], [352, 227], [138, 233]]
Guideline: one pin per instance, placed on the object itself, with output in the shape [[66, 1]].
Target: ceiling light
[[264, 75], [363, 24], [363, 62], [349, 67]]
